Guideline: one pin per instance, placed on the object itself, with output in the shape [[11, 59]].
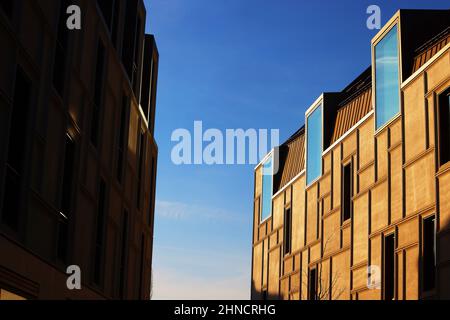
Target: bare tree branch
[[328, 290]]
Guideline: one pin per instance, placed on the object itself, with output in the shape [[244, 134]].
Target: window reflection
[[387, 78], [267, 190], [314, 147]]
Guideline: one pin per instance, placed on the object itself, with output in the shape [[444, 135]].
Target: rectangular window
[[62, 40], [429, 254], [387, 81], [16, 149], [67, 183], [287, 230], [122, 139], [141, 156], [19, 117], [123, 255], [267, 188], [444, 127], [137, 53], [152, 183], [146, 87], [98, 90], [129, 37], [314, 145], [312, 289], [389, 267], [66, 198], [347, 193], [153, 84], [99, 234]]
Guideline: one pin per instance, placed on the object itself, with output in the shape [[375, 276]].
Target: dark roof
[[425, 52], [420, 29], [292, 159], [360, 84], [355, 103], [351, 113]]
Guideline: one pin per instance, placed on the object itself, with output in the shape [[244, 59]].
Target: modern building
[[356, 204], [77, 152]]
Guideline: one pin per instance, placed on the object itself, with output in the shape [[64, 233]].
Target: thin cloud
[[185, 211]]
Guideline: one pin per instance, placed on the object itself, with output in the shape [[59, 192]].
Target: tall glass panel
[[267, 189], [387, 78], [314, 145]]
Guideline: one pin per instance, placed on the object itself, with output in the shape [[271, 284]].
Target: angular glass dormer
[[267, 187], [314, 143], [387, 77], [319, 130]]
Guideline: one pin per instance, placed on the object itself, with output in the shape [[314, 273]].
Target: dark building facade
[[78, 156]]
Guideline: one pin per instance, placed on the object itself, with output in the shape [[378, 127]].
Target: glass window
[[389, 267], [347, 192], [387, 78], [287, 231], [429, 254], [312, 295], [15, 163], [444, 127], [267, 190], [314, 145]]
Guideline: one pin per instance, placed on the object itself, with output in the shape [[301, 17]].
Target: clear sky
[[238, 64]]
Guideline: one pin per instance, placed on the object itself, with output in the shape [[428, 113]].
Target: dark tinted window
[[19, 117], [59, 68], [147, 77], [67, 183], [152, 183], [312, 289], [100, 229], [66, 198], [287, 230], [122, 138], [389, 267], [98, 90], [347, 193], [129, 37], [429, 254], [444, 126], [16, 149], [137, 52], [141, 149]]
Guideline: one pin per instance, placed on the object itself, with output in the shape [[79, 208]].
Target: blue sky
[[238, 64]]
